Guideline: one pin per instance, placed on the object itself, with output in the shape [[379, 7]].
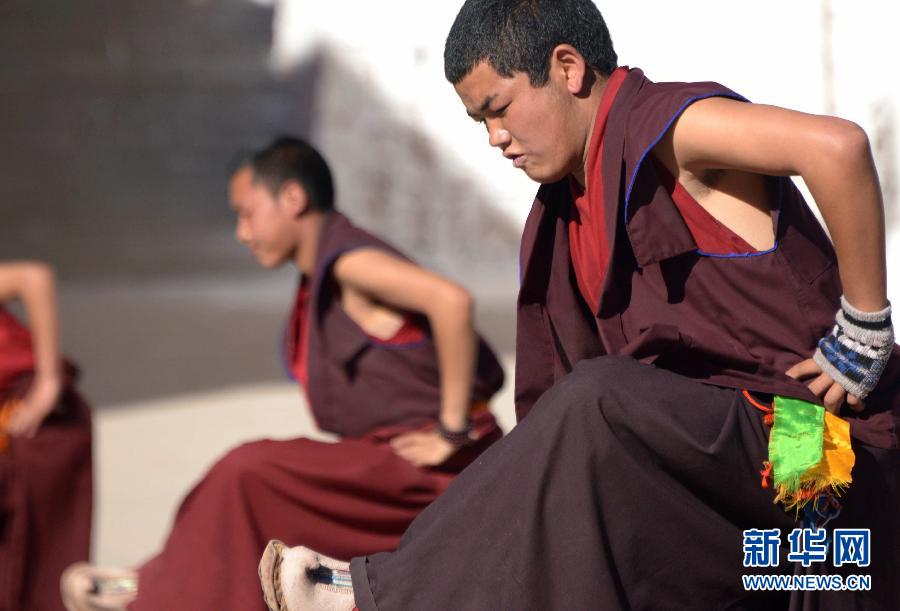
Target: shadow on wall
[[394, 179], [119, 119]]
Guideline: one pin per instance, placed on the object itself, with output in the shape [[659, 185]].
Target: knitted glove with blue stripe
[[856, 351]]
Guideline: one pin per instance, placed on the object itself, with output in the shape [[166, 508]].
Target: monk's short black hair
[[291, 158], [519, 36]]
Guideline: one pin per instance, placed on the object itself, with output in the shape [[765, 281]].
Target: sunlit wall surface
[[826, 57], [120, 118]]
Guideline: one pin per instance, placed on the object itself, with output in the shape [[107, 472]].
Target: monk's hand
[[36, 405], [423, 448], [823, 386], [849, 360]]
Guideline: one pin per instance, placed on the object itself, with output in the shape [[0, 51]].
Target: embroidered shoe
[[297, 578]]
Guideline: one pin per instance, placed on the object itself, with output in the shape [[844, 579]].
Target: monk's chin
[[552, 169], [270, 262], [544, 176]]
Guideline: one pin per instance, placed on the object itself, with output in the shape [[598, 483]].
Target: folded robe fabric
[[45, 482]]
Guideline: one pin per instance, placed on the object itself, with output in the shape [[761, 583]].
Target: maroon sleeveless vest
[[357, 384], [736, 321]]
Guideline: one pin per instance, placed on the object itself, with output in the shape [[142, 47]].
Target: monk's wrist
[[856, 351], [457, 436]]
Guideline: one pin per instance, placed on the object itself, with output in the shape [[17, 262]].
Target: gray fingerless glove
[[856, 351]]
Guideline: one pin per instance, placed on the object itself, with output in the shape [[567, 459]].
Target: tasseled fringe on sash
[[810, 456], [829, 435]]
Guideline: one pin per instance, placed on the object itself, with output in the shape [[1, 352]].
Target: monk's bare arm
[[835, 161], [448, 307], [833, 157], [34, 284]]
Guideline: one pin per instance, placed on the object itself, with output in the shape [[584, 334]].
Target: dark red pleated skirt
[[342, 499], [45, 507], [626, 488]]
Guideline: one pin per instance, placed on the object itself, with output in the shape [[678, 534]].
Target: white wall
[[770, 51]]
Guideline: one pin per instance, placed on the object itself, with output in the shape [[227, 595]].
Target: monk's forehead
[[481, 86], [240, 185], [243, 175]]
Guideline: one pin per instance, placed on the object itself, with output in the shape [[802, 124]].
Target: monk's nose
[[498, 137], [242, 232]]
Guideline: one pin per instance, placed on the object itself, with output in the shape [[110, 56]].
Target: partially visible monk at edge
[[386, 354], [45, 447]]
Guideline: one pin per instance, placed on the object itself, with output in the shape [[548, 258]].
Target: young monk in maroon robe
[[673, 281], [45, 447], [388, 358]]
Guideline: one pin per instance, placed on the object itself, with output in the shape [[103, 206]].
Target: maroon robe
[[738, 321], [630, 482], [344, 499], [45, 485]]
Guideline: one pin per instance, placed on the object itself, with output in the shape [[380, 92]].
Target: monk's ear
[[293, 199], [569, 67]]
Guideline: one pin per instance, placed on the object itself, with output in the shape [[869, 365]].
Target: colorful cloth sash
[[809, 453], [6, 410]]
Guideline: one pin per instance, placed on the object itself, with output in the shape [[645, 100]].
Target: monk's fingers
[[855, 403], [16, 426], [820, 385], [413, 456], [28, 427], [834, 398], [422, 449], [804, 369], [426, 452], [21, 425], [404, 452], [406, 440], [406, 446]]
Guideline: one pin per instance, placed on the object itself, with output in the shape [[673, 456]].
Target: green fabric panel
[[795, 444]]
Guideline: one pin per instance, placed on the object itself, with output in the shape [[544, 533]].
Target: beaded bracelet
[[457, 439]]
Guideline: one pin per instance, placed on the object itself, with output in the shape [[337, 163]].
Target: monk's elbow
[[458, 300], [37, 275], [849, 142]]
